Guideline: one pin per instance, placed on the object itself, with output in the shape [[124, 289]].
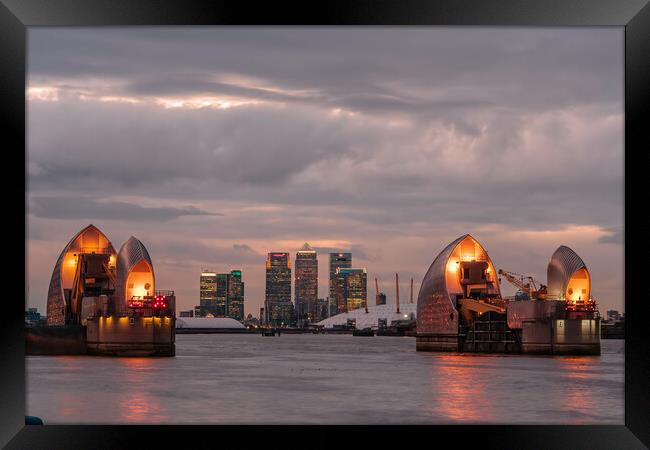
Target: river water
[[325, 379]]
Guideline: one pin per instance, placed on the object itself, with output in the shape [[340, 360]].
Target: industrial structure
[[380, 297], [527, 289], [460, 307], [89, 246], [103, 302]]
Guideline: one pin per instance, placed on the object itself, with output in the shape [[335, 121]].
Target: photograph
[[326, 225]]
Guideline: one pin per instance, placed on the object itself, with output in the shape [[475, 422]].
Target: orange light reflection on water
[[462, 389], [137, 404], [578, 397]]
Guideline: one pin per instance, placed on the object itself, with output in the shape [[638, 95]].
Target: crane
[[528, 287]]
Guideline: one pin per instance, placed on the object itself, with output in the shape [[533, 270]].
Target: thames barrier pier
[[460, 307], [102, 302]]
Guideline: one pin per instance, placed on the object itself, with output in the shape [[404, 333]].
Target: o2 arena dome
[[220, 323], [371, 318]]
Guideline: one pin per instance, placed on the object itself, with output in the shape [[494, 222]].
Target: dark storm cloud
[[559, 67], [392, 141], [86, 208], [379, 173], [136, 145], [376, 100]]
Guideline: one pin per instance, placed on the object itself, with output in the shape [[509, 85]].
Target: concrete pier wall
[[541, 336], [55, 340], [561, 337], [125, 336], [108, 336], [437, 342]]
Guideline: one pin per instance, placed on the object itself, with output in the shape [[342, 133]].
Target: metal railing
[[165, 293], [580, 305], [98, 250]]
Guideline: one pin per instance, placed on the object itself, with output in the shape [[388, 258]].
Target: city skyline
[[385, 142]]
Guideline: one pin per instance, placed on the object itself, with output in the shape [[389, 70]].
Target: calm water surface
[[325, 379]]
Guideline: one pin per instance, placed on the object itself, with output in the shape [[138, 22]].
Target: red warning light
[[136, 303], [159, 302]]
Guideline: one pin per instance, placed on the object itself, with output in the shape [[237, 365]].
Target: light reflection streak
[[462, 390], [578, 396], [136, 403]]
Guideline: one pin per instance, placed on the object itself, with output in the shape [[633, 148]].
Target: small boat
[[364, 332], [268, 333]]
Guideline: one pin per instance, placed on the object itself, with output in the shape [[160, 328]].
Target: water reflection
[[141, 407], [235, 378], [461, 388], [578, 396], [138, 402], [70, 405]]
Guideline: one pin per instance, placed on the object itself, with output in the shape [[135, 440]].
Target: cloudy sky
[[216, 145]]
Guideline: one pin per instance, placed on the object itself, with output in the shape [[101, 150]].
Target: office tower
[[277, 304], [306, 285], [353, 288], [337, 260], [381, 298], [222, 294], [235, 304], [208, 293], [322, 310]]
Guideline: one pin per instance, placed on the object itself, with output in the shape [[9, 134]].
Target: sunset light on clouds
[[214, 146]]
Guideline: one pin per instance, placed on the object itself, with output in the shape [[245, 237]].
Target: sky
[[216, 145]]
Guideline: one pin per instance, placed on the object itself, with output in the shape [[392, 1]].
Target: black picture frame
[[633, 15]]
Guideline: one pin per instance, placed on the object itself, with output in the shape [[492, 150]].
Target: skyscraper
[[235, 304], [322, 310], [222, 294], [277, 304], [353, 288], [337, 260], [208, 293], [306, 285]]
